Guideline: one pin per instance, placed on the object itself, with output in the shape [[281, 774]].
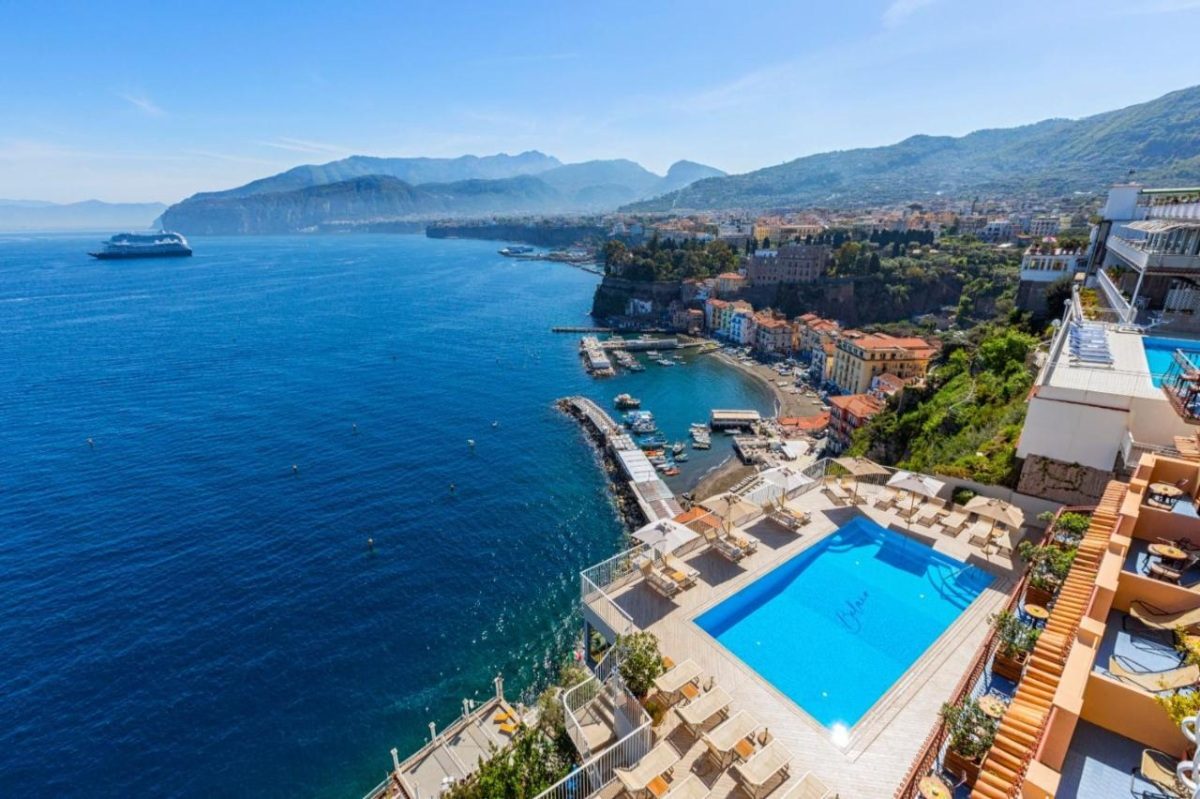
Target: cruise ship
[[163, 244]]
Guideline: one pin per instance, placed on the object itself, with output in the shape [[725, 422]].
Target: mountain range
[[1159, 140], [31, 215], [364, 190]]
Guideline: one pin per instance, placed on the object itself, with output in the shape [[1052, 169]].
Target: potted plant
[[639, 662], [970, 733], [1014, 642], [1048, 568]]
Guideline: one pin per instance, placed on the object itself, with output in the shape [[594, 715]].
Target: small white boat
[[665, 362]]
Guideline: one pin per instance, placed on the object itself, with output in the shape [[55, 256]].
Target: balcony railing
[[596, 773]]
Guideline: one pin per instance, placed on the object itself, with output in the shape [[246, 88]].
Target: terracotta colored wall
[[1130, 712]]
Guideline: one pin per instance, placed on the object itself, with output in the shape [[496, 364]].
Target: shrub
[[640, 661], [529, 766], [971, 731], [963, 495], [1179, 706], [1049, 564], [1014, 637], [1074, 524]]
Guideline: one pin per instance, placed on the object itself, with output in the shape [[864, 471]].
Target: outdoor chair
[[674, 564], [688, 788], [723, 546], [723, 739], [762, 767], [1156, 618], [1154, 681], [809, 787], [657, 764], [1158, 769], [674, 683], [699, 711], [657, 581]]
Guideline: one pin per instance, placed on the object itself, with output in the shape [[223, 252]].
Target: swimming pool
[[834, 627], [1160, 350]]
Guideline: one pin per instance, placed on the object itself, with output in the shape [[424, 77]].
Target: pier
[[640, 344], [594, 358], [571, 329], [639, 485], [723, 419]]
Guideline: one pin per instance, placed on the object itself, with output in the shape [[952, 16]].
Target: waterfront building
[[821, 359], [812, 333], [741, 325], [790, 263], [773, 334], [715, 315], [1146, 255], [849, 412], [1043, 263], [859, 358], [729, 284]]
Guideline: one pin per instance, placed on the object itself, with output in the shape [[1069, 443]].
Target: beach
[[786, 405]]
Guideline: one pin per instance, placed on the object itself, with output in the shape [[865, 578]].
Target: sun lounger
[[1158, 769], [1155, 681], [655, 579], [927, 513], [809, 787], [724, 547], [762, 767], [723, 738], [658, 762], [676, 566], [696, 714], [886, 498], [689, 788], [953, 522], [672, 683], [979, 536], [1159, 619], [743, 542], [835, 490]]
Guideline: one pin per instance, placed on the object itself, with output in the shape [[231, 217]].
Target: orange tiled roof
[[806, 423], [730, 276], [863, 406]]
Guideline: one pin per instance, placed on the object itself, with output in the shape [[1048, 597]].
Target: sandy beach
[[731, 471]]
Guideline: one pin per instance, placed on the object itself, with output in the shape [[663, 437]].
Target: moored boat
[[627, 401]]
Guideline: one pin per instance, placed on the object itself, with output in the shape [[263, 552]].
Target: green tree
[[640, 661], [1058, 294]]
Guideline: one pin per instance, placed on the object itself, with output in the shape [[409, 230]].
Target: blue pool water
[[182, 616], [1159, 352], [834, 627]]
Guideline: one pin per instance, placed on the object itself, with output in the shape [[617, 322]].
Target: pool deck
[[882, 746]]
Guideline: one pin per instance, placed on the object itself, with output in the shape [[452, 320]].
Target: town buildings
[[1043, 263], [849, 412], [729, 283], [860, 358], [790, 263], [773, 334]]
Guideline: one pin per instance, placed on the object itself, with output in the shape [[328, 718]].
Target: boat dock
[[595, 360], [570, 329], [724, 419], [640, 344], [452, 754], [653, 499]]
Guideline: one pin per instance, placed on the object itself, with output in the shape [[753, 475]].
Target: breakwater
[[641, 496]]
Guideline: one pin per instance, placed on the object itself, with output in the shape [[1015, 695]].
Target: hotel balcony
[[1172, 249]]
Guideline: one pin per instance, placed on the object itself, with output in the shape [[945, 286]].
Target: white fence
[[597, 772]]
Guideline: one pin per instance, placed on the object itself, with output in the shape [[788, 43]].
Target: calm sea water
[[181, 614]]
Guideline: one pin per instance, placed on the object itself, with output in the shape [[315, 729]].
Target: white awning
[[1162, 225], [666, 535]]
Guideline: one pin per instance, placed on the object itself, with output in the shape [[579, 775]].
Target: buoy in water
[[354, 427], [91, 444], [370, 543], [471, 443], [452, 488], [295, 468], [495, 424]]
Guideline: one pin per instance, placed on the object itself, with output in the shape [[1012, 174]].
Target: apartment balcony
[[1143, 257]]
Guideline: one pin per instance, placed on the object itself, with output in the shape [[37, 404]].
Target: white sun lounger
[[723, 546], [722, 739], [657, 580], [672, 682], [762, 767], [809, 787], [658, 761], [834, 489], [953, 522], [675, 564], [694, 714], [886, 498], [689, 788]]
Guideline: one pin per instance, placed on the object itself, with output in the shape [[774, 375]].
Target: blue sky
[[154, 101]]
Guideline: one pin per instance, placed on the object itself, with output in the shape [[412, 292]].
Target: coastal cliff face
[[614, 293]]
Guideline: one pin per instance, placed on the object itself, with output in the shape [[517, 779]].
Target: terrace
[[872, 757]]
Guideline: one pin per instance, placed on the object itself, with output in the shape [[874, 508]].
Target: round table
[[1167, 551], [1165, 493], [1036, 612], [992, 706], [933, 788]]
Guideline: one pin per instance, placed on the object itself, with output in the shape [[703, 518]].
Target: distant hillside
[[370, 199], [1159, 139], [410, 170], [303, 199], [91, 215]]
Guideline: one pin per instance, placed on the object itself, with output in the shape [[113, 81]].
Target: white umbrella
[[859, 468], [997, 510], [915, 483], [666, 536]]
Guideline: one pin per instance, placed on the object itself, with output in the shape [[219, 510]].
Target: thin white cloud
[[305, 146], [901, 10], [143, 103]]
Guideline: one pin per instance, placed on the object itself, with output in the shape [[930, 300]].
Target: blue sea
[[182, 612]]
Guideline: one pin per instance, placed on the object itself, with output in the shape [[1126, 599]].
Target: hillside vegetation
[[966, 421], [1159, 139]]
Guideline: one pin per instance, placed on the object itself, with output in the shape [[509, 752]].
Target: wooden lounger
[[755, 773], [699, 711], [674, 681], [658, 762], [721, 741], [809, 787], [1156, 681], [689, 788]]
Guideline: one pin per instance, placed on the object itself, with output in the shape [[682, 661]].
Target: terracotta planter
[[1038, 596], [960, 766], [1006, 667]]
